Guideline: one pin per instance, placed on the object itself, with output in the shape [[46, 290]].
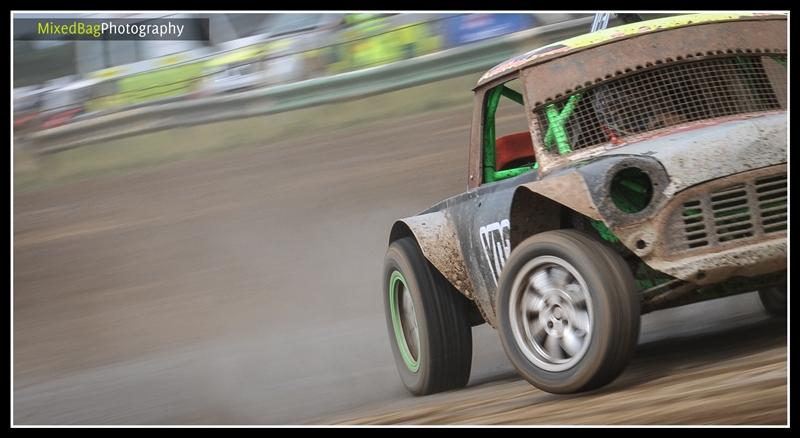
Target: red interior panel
[[514, 150]]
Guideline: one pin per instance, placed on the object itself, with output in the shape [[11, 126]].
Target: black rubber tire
[[443, 319], [774, 300], [616, 308]]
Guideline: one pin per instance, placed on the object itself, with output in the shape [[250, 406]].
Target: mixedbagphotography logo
[[125, 29]]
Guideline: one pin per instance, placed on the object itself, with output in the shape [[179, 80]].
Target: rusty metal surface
[[600, 174], [580, 181], [568, 189], [757, 34], [475, 160], [665, 216], [761, 254], [719, 147], [726, 154], [746, 261], [687, 128], [575, 45], [718, 150], [602, 38], [669, 95], [738, 213], [566, 74], [689, 160]]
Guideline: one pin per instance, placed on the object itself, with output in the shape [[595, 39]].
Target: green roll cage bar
[[556, 133]]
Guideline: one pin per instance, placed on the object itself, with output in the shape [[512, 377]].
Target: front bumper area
[[731, 226], [742, 261]]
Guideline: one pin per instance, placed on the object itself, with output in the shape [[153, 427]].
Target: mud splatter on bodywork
[[437, 239]]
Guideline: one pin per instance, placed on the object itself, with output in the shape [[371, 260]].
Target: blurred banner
[[469, 28], [243, 52]]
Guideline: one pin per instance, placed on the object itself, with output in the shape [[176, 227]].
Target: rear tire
[[568, 312], [774, 300], [428, 320]]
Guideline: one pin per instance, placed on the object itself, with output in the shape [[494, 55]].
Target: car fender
[[436, 236], [536, 205]]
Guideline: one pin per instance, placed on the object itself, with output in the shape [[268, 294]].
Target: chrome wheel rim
[[551, 313]]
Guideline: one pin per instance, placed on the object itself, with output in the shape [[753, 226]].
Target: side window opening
[[507, 144]]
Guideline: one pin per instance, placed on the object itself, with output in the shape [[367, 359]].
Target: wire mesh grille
[[664, 96]]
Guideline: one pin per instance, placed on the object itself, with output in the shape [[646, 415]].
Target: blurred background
[[58, 82], [199, 231]]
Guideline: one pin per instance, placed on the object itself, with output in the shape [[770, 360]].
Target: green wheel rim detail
[[395, 280]]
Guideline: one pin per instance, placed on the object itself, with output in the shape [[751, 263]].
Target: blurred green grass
[[32, 172]]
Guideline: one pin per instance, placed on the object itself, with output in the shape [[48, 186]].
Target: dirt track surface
[[243, 287], [670, 382]]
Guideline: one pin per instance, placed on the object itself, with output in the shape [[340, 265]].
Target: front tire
[[428, 322], [568, 312]]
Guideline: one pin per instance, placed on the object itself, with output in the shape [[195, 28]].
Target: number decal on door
[[496, 242]]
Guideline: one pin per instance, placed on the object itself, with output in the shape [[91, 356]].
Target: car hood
[[708, 152]]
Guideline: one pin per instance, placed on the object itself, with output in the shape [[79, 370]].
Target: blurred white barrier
[[402, 74]]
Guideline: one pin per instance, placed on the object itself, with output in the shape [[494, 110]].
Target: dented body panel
[[719, 149], [761, 252]]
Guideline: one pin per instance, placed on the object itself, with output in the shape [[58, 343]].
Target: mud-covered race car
[[650, 172]]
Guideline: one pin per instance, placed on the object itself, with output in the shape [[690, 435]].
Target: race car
[[650, 172]]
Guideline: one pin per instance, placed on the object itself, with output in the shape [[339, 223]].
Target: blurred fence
[[167, 110]]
